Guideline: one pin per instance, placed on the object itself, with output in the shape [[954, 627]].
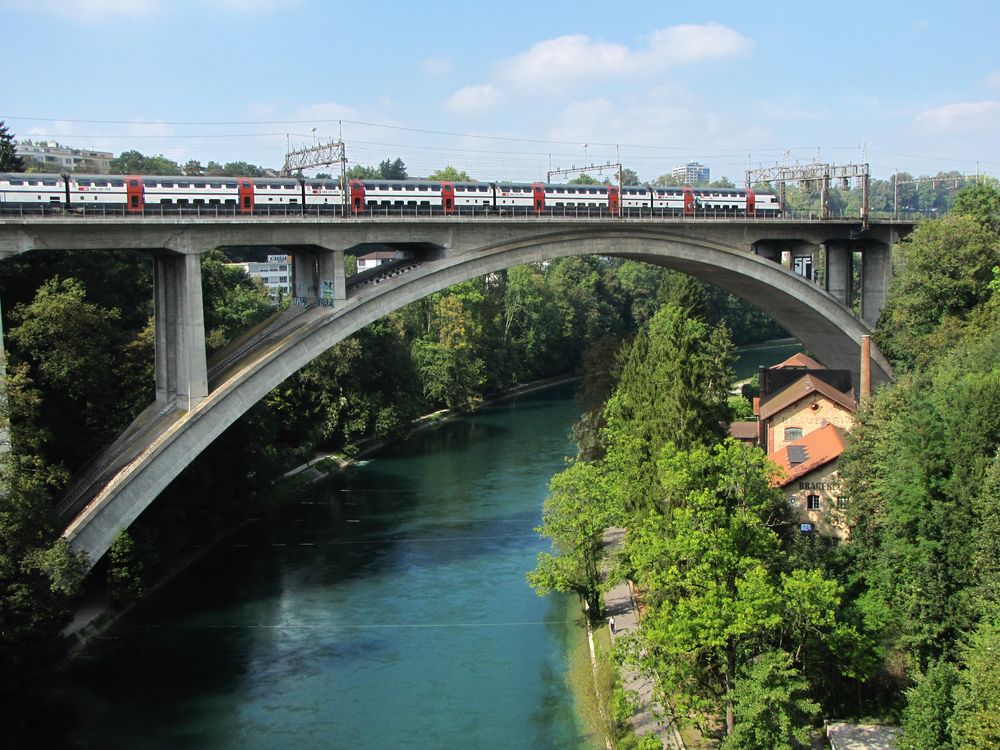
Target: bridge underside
[[170, 439]]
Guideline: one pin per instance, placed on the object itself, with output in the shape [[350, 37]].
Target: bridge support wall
[[318, 277], [179, 321], [876, 276], [838, 273]]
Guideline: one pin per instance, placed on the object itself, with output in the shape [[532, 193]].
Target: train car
[[322, 195], [32, 191], [167, 192], [586, 197], [269, 193], [670, 201], [97, 191], [519, 196], [474, 195]]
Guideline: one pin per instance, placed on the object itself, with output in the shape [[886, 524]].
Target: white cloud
[[961, 117], [552, 64], [436, 66], [474, 99]]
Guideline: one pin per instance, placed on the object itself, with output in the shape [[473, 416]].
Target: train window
[[117, 183], [215, 185], [397, 187], [166, 184], [21, 182], [84, 183], [410, 188], [231, 185], [290, 187], [50, 183], [100, 183], [422, 188]]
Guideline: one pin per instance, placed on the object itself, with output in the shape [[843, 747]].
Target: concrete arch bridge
[[769, 263]]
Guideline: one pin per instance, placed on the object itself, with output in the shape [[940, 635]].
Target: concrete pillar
[[332, 279], [838, 271], [179, 320], [876, 275], [304, 277]]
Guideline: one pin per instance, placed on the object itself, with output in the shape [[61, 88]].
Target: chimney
[[866, 368]]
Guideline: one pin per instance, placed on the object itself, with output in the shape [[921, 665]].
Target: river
[[383, 608]]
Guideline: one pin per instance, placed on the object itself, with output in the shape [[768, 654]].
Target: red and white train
[[134, 194]]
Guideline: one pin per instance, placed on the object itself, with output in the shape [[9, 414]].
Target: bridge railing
[[296, 211]]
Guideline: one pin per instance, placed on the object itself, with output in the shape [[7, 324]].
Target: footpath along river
[[385, 608]]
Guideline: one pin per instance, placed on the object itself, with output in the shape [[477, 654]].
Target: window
[[841, 503], [793, 433], [812, 502]]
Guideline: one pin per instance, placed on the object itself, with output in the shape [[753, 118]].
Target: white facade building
[[59, 157], [691, 173], [275, 274]]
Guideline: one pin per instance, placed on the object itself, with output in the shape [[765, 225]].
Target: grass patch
[[591, 698]]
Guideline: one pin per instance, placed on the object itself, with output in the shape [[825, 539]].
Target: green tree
[[234, 302], [981, 202], [361, 172], [946, 271], [133, 162], [711, 566], [450, 359], [929, 706], [976, 721], [9, 160], [449, 174], [193, 168], [629, 177], [771, 707], [673, 389], [72, 345], [392, 169], [574, 517]]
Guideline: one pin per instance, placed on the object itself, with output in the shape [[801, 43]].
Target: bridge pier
[[318, 277], [839, 271], [179, 323], [876, 275]]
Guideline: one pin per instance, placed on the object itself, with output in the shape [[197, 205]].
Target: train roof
[[30, 176]]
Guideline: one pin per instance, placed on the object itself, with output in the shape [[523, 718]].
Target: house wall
[[808, 413], [824, 482]]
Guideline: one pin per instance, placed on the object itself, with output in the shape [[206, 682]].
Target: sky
[[510, 90]]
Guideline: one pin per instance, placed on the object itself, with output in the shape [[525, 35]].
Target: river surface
[[383, 608]]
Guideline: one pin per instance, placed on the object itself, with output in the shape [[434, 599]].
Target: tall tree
[[574, 517], [9, 160], [392, 169]]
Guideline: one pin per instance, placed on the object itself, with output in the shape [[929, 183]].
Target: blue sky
[[504, 90]]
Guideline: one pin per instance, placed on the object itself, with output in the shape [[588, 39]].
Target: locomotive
[[135, 194]]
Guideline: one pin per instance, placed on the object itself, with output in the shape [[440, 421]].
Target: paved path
[[620, 605]]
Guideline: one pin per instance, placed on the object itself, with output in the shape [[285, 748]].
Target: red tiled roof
[[821, 447], [799, 390], [796, 361], [743, 430]]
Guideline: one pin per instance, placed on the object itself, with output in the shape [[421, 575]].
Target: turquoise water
[[767, 354], [385, 608]]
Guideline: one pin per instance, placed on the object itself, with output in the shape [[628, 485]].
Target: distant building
[[275, 274], [59, 158], [691, 173], [375, 259]]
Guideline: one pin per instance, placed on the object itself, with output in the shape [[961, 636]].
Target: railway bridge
[[774, 264]]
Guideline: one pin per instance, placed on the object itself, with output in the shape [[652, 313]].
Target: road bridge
[[196, 400]]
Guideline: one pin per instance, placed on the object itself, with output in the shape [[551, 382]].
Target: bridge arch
[[820, 322]]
